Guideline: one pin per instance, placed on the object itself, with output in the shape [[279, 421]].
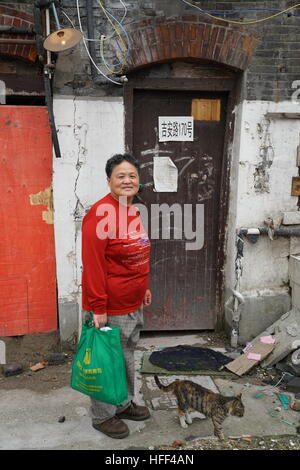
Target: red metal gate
[[27, 255]]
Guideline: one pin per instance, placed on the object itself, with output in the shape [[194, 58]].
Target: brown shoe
[[113, 427], [134, 412]]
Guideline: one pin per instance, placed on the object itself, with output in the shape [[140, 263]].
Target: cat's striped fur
[[191, 396]]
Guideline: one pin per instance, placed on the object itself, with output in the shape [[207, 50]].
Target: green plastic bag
[[98, 368]]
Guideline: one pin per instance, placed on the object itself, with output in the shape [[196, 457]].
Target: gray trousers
[[130, 327]]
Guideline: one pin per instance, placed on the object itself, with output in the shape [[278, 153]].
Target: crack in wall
[[80, 136], [79, 210]]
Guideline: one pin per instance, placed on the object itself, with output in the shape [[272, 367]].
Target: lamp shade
[[62, 40]]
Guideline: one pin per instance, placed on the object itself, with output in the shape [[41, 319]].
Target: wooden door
[[27, 256], [183, 282]]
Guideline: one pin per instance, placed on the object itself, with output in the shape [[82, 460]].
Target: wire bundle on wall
[[212, 14], [126, 48], [118, 26], [85, 40]]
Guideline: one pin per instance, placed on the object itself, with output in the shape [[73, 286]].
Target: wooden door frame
[[232, 87]]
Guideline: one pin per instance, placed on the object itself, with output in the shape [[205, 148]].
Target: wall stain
[[266, 157]]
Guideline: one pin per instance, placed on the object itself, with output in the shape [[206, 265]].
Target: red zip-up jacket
[[115, 258]]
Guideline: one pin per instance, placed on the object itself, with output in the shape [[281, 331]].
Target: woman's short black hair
[[117, 159]]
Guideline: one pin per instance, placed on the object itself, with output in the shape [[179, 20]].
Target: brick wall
[[271, 71], [276, 62], [12, 15], [188, 37]]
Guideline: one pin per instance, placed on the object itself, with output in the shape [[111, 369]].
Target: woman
[[115, 258]]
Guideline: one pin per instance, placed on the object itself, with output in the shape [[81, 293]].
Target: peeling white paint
[[274, 143], [90, 131], [253, 208]]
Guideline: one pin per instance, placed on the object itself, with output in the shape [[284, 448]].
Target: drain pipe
[[16, 30], [90, 32], [236, 298], [21, 42], [37, 16], [253, 233]]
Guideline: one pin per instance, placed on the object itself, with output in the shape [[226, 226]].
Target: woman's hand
[[100, 320], [147, 298]]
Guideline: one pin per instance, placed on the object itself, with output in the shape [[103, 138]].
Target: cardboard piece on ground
[[242, 364]]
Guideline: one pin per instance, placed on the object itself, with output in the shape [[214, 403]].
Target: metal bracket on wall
[[48, 67], [282, 115], [49, 102]]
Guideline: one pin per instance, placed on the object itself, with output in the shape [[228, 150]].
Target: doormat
[[148, 368], [186, 357]]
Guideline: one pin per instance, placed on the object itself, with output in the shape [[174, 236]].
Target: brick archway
[[189, 37], [17, 18]]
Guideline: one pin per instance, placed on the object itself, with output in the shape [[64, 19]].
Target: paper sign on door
[[172, 129], [165, 175]]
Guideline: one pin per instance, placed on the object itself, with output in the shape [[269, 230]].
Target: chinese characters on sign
[[176, 128]]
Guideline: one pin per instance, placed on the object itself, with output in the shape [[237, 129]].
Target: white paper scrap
[[267, 339], [165, 175]]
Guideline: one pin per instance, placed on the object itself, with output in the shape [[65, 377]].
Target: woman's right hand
[[100, 320]]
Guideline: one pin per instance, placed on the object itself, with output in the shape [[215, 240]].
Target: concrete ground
[[29, 420]]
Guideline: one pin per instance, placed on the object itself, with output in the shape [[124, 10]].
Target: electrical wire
[[99, 40], [102, 41], [125, 50], [240, 22], [103, 57], [244, 10], [108, 14], [121, 26], [125, 11], [73, 26], [68, 18], [87, 50]]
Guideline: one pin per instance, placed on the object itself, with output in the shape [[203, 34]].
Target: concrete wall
[[262, 155], [90, 131], [264, 162]]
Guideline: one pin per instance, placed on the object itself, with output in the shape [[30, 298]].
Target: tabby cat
[[191, 396]]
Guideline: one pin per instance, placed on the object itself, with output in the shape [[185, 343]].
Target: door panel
[[27, 261], [183, 281]]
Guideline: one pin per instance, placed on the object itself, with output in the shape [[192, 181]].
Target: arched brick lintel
[[181, 38], [17, 18]]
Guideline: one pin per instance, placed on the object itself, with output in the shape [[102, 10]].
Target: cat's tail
[[166, 388]]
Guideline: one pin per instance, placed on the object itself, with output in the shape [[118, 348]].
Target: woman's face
[[124, 180]]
